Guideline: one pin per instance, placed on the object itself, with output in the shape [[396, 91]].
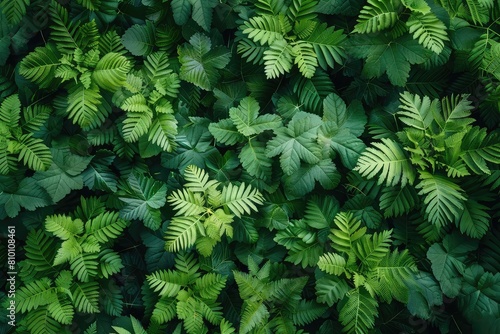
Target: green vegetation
[[251, 166]]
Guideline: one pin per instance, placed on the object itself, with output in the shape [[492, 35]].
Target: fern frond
[[395, 271], [253, 314], [252, 51], [63, 226], [371, 249], [428, 30], [34, 117], [40, 250], [332, 263], [163, 131], [387, 159], [10, 111], [35, 294], [111, 71], [84, 106], [305, 58], [359, 312], [106, 226], [443, 199], [347, 232], [241, 199], [156, 66], [182, 232], [167, 283], [328, 45], [63, 32], [14, 10], [40, 65], [135, 125], [84, 266], [278, 59], [478, 148], [187, 203], [39, 321], [263, 29], [33, 152], [253, 158], [198, 179], [62, 311], [302, 10], [396, 201], [330, 289], [415, 111], [110, 263], [377, 15], [86, 297], [210, 285]]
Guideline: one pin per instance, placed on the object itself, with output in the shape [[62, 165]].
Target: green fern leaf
[[182, 232], [40, 250], [62, 311], [443, 199], [347, 232], [210, 285], [40, 321], [198, 180], [397, 201], [330, 289], [110, 263], [63, 226], [278, 59], [84, 266], [135, 125], [395, 271], [474, 220], [40, 65], [163, 131], [306, 312], [387, 159], [164, 310], [33, 152], [478, 148], [328, 45], [84, 106], [332, 263], [35, 294], [241, 199], [313, 91], [254, 313], [14, 11], [252, 51], [86, 297], [302, 10], [167, 283], [64, 33], [34, 117], [371, 249], [111, 71], [429, 30], [377, 15], [416, 112], [10, 111], [187, 203], [305, 58], [91, 5], [454, 114], [263, 29], [106, 226], [358, 313]]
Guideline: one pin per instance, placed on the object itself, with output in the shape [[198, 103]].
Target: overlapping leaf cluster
[[251, 166]]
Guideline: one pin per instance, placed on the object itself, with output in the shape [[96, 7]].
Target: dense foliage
[[251, 166]]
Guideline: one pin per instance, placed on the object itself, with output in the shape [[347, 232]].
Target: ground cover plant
[[250, 166]]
